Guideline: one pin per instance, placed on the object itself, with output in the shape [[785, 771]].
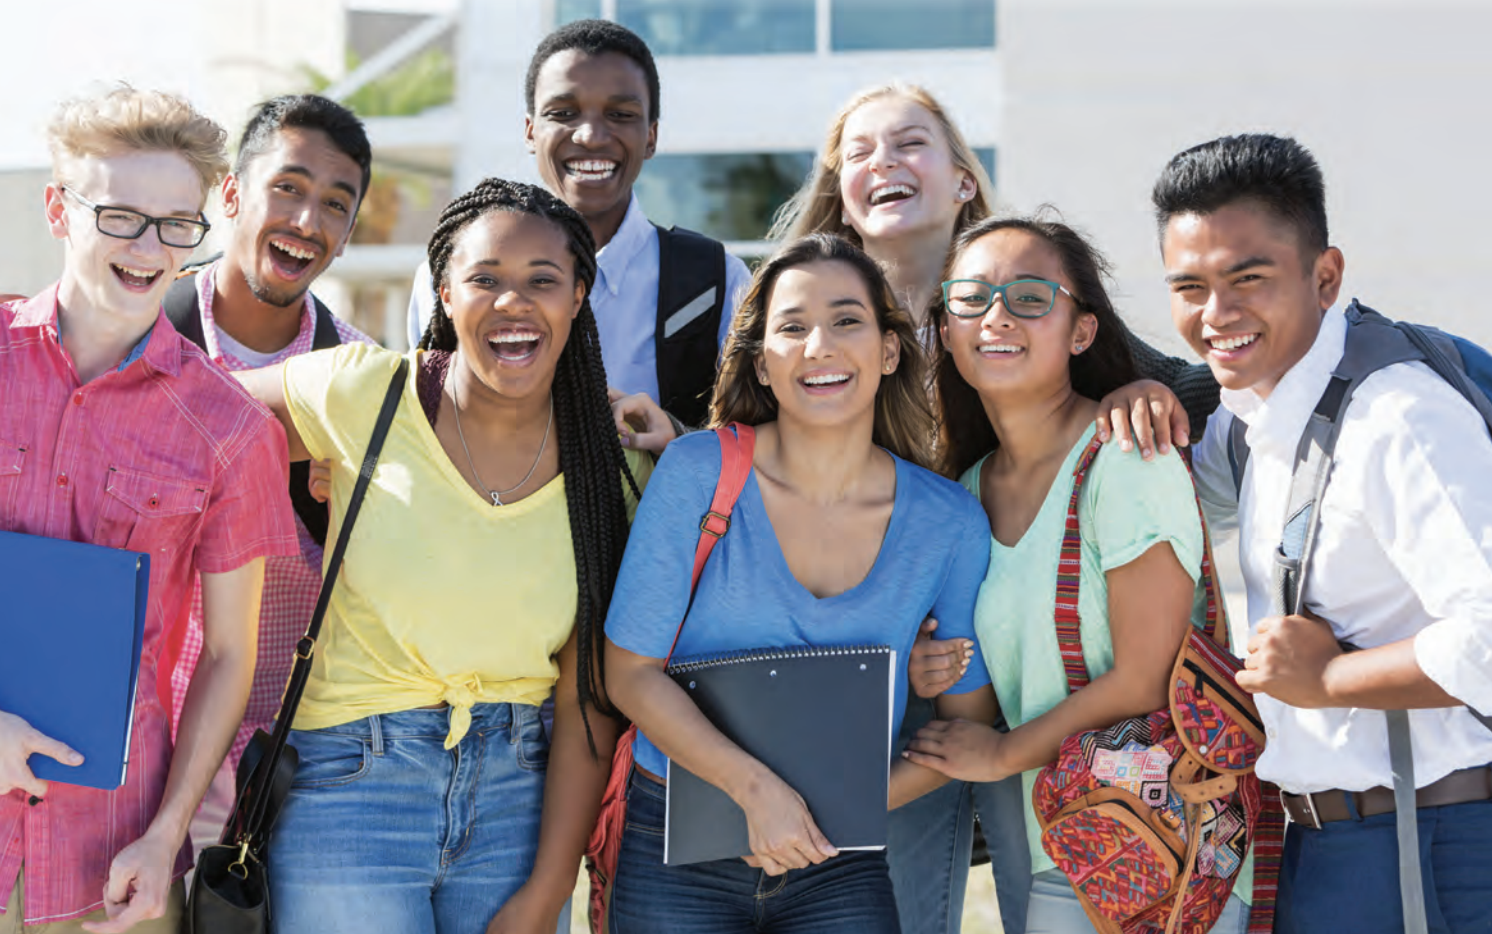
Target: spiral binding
[[773, 654]]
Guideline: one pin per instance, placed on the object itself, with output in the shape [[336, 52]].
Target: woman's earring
[[844, 219], [1078, 348]]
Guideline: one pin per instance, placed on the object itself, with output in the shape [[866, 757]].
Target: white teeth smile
[[591, 170], [513, 337], [882, 195], [827, 379], [1000, 348], [292, 249], [136, 273], [1232, 343]]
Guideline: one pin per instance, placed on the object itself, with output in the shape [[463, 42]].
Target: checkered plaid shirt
[[291, 584]]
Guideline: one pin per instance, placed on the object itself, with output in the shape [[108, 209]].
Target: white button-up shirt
[[624, 300], [1404, 551]]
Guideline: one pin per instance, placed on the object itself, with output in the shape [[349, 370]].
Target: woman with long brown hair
[[841, 536]]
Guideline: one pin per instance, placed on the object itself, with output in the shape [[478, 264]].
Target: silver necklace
[[497, 495]]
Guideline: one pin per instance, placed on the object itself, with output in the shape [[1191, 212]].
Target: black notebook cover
[[818, 717], [72, 625]]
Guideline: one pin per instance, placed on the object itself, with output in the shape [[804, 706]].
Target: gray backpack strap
[[1373, 342], [1406, 822]]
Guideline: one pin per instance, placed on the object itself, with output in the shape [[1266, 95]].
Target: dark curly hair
[[590, 453], [594, 37]]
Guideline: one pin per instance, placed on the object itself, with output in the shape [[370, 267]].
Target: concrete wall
[[1390, 97]]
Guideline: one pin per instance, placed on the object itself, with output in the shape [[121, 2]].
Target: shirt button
[[62, 479], [1272, 733], [77, 398], [34, 801]]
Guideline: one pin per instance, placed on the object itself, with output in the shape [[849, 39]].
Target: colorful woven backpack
[[1151, 818]]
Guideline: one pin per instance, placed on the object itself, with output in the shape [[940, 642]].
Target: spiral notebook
[[72, 626], [819, 717]]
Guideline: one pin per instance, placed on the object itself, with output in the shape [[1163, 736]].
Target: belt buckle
[[1310, 804]]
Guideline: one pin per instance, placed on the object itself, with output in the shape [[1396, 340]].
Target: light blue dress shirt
[[624, 299]]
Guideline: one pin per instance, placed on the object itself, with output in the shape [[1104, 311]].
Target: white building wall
[[1391, 97]]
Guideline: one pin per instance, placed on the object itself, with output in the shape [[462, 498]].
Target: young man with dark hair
[[117, 432], [663, 297], [1401, 567], [303, 167]]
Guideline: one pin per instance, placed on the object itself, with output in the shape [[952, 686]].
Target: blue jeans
[[847, 894], [1345, 876], [930, 840], [386, 830]]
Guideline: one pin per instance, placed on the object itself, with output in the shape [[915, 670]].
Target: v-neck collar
[[779, 559], [452, 473], [1050, 502]]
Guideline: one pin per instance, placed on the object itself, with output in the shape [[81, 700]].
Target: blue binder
[[71, 630]]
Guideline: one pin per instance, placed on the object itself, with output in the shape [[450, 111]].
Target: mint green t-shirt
[[1126, 507]]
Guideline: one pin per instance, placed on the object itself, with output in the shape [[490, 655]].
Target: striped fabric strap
[[1269, 849], [1069, 573]]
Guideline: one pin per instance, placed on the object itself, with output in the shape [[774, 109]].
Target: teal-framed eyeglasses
[[127, 224], [1024, 298]]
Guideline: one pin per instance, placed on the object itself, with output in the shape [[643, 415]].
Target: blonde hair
[[904, 423], [817, 206], [130, 120]]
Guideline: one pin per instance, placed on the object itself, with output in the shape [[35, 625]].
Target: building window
[[986, 157], [727, 196], [879, 25], [719, 27], [568, 11]]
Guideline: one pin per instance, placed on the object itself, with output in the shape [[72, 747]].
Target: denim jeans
[[930, 840], [386, 830], [1345, 876], [846, 894]]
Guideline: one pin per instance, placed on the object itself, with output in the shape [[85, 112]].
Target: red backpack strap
[[737, 446], [1069, 573]]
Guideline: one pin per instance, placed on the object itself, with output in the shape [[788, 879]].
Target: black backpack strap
[[691, 298], [183, 309], [326, 327]]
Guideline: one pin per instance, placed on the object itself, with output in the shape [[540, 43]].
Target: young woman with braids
[[841, 536], [1029, 342], [476, 583]]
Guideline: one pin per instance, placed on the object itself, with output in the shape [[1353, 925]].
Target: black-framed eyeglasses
[[1024, 298], [126, 224]]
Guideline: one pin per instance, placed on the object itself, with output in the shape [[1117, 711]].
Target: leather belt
[[1324, 807]]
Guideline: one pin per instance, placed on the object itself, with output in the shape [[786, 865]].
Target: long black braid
[[590, 453]]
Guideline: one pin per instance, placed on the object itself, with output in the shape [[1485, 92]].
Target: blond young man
[[120, 433]]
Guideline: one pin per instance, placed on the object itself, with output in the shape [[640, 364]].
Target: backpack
[[1373, 342], [1151, 818], [691, 298], [184, 311]]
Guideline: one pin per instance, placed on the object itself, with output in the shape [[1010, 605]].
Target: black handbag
[[230, 891]]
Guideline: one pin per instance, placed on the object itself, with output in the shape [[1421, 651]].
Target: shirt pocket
[[12, 459], [144, 512]]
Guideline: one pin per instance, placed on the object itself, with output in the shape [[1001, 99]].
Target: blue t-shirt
[[931, 562]]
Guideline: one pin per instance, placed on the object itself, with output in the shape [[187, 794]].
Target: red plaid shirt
[[291, 584], [167, 455]]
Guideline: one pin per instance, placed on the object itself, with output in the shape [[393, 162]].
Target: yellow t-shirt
[[441, 595]]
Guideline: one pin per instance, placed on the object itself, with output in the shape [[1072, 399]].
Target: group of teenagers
[[923, 376]]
